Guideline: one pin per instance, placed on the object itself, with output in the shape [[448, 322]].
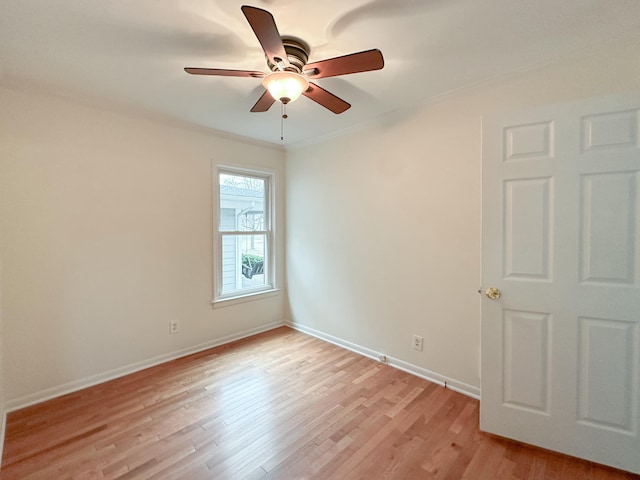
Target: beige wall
[[384, 223], [106, 225]]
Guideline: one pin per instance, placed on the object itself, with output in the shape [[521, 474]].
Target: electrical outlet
[[174, 327], [417, 343]]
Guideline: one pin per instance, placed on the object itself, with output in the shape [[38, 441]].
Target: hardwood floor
[[280, 405]]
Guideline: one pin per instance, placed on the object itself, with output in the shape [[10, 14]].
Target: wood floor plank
[[277, 406]]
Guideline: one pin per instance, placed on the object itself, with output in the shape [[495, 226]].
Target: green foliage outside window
[[249, 259]]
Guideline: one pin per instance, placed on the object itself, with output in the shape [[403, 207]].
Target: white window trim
[[270, 288], [246, 297]]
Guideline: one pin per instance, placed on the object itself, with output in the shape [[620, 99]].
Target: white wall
[[106, 224], [384, 223]]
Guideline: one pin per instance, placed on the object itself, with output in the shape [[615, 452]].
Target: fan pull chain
[[284, 116]]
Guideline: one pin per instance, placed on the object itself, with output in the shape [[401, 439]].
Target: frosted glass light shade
[[285, 86]]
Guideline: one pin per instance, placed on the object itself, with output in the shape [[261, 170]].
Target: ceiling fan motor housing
[[297, 54]]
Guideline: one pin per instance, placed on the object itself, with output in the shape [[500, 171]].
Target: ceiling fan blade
[[264, 102], [352, 63], [264, 26], [223, 72], [326, 99]]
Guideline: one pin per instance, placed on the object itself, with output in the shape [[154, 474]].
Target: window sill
[[249, 297]]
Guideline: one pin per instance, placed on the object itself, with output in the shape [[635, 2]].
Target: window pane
[[243, 262], [244, 237], [242, 203]]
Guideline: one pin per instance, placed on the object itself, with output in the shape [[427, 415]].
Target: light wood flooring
[[280, 405]]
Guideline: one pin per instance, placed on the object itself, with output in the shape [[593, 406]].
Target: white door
[[561, 242]]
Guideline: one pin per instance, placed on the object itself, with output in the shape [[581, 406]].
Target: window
[[244, 262]]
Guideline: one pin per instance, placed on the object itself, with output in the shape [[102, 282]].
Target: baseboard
[[53, 392], [455, 385], [3, 427]]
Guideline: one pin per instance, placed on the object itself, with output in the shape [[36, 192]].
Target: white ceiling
[[129, 54]]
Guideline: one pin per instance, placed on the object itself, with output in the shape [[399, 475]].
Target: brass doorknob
[[493, 293]]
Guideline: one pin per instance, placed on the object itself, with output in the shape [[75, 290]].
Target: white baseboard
[[57, 391], [3, 429], [76, 385], [455, 385]]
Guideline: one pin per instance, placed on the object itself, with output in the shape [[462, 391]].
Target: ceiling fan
[[290, 75]]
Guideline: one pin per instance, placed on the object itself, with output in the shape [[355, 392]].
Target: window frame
[[269, 286]]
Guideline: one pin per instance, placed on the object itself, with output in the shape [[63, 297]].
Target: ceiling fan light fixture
[[285, 86]]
